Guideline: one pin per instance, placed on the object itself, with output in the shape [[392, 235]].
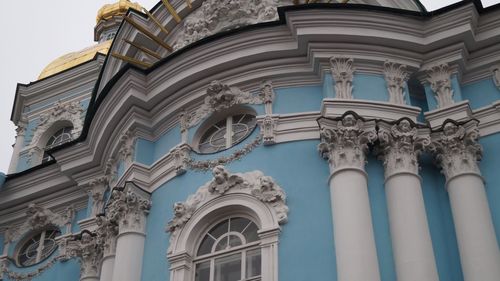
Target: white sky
[[36, 32]]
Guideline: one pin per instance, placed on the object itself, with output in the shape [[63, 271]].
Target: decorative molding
[[128, 208], [268, 127], [255, 183], [496, 75], [70, 111], [181, 158], [96, 189], [459, 112], [343, 74], [219, 97], [127, 147], [107, 232], [212, 18], [439, 77], [85, 247], [344, 142], [38, 217], [396, 77], [400, 146], [224, 160], [17, 276], [457, 149], [267, 95]]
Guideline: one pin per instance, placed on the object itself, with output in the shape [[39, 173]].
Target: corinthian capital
[[85, 248], [106, 231], [456, 148], [395, 77], [128, 208], [439, 77], [400, 145], [344, 141], [343, 74]]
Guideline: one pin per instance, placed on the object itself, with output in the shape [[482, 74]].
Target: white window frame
[[23, 243], [185, 245]]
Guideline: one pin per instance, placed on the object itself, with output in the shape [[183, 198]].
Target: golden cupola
[[108, 19]]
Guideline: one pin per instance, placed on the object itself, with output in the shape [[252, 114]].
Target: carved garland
[[254, 183], [30, 275]]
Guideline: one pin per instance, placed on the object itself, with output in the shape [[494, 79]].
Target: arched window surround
[[238, 201]]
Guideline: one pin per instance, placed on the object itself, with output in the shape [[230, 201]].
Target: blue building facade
[[262, 140]]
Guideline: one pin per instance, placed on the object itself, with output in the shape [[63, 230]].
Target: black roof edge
[[95, 102], [28, 171], [50, 76]]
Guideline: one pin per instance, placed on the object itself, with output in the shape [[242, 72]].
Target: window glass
[[228, 268], [60, 137], [39, 247], [226, 133]]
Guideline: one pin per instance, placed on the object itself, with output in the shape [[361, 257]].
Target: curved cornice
[[285, 53]]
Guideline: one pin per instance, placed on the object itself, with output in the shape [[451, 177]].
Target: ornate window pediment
[[250, 194]]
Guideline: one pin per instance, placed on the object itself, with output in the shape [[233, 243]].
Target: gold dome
[[75, 58], [116, 9]]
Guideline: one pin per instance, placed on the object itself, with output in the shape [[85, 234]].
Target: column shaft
[[479, 253], [411, 240], [353, 230], [129, 255], [108, 264]]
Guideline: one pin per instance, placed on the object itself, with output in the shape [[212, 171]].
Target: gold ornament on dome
[[119, 8]]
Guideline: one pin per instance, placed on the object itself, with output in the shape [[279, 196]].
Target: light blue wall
[[61, 271], [306, 237], [481, 93], [144, 151], [147, 152], [22, 163], [490, 170], [30, 130], [328, 88], [457, 93], [80, 215], [298, 99], [370, 87]]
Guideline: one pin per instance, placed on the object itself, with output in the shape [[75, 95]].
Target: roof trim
[[96, 101]]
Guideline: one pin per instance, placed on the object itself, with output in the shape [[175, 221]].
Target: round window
[[226, 133], [38, 247]]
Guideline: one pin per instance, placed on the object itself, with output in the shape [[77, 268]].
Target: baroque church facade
[[261, 140]]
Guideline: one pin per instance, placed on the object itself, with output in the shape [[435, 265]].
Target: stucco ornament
[[457, 150], [219, 97], [38, 217], [127, 147], [343, 74], [96, 189], [180, 155], [70, 111], [85, 248], [345, 143], [396, 77], [496, 76], [107, 232], [400, 146], [128, 208], [255, 183], [439, 77], [268, 129], [220, 15]]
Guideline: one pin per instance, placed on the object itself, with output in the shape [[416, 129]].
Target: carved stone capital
[[344, 141], [266, 92], [439, 78], [456, 149], [180, 155], [128, 208], [96, 189], [86, 249], [400, 146], [127, 147], [255, 183], [268, 129], [343, 74], [107, 232], [396, 77], [39, 217], [496, 76]]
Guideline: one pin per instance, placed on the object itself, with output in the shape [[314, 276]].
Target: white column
[[344, 144], [399, 148], [129, 208], [21, 132], [106, 233], [458, 153]]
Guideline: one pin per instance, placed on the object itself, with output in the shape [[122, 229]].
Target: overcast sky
[[36, 32]]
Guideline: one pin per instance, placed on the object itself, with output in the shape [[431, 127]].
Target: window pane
[[220, 229], [238, 224], [222, 245], [234, 241], [202, 271], [206, 245], [228, 268], [250, 233], [253, 263]]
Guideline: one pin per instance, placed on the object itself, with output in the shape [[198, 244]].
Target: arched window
[[229, 251], [60, 137], [37, 247]]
